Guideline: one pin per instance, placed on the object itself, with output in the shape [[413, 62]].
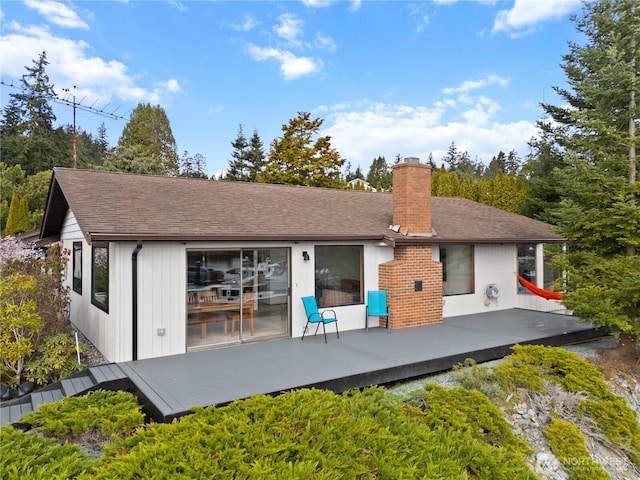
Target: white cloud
[[289, 27], [291, 67], [364, 131], [70, 64], [317, 3], [247, 25], [173, 86], [470, 85], [527, 14], [416, 11], [57, 13], [422, 23], [179, 5], [326, 43], [355, 4]]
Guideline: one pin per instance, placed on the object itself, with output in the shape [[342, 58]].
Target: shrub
[[474, 377], [19, 323], [563, 367], [568, 443], [465, 411], [51, 294], [111, 413], [24, 455], [515, 374], [305, 434], [56, 358], [618, 422]]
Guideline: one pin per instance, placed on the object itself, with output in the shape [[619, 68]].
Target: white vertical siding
[[162, 273], [492, 264], [98, 326], [350, 317]]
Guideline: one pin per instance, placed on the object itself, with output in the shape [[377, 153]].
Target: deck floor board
[[357, 359]]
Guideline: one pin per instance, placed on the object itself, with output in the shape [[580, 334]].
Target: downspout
[[134, 299]]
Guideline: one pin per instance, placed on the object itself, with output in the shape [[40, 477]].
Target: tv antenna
[[69, 99]]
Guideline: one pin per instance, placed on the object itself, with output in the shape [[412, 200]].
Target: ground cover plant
[[436, 432], [566, 390]]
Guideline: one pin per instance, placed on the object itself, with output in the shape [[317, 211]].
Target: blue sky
[[387, 77]]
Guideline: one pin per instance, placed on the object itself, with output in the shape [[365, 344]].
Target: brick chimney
[[412, 197], [413, 280]]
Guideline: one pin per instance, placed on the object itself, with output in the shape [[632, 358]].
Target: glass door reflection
[[237, 295]]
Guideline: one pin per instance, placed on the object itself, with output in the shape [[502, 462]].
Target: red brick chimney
[[413, 280], [412, 197]]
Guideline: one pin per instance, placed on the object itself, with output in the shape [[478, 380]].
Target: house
[[360, 184], [161, 266]]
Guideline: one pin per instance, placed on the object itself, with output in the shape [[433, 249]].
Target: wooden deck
[[169, 386]]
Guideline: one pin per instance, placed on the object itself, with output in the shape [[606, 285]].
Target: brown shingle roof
[[111, 206]]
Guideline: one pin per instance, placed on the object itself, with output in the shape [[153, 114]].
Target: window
[[457, 269], [551, 273], [338, 275], [527, 265], [77, 267], [100, 276]]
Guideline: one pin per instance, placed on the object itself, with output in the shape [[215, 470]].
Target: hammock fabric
[[539, 291]]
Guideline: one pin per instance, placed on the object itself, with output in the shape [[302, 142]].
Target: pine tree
[[192, 167], [594, 132], [299, 158], [379, 176], [238, 170], [27, 123], [149, 133], [255, 157]]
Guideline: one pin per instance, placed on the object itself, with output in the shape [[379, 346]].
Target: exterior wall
[[495, 264], [162, 283], [408, 307], [98, 326], [492, 264], [350, 317]]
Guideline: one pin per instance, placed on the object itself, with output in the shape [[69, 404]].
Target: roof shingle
[[110, 206]]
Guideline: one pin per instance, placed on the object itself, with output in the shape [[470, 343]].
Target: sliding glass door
[[236, 295]]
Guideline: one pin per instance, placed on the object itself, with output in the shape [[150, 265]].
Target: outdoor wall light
[[305, 256]]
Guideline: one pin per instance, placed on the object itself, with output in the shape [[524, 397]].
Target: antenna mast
[[76, 106], [75, 136]]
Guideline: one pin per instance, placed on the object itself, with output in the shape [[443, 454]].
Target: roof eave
[[125, 237], [474, 241]]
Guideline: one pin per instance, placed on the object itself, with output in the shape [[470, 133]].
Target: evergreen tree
[[18, 219], [239, 165], [192, 167], [496, 166], [379, 176], [255, 157], [544, 193], [133, 159], [149, 134], [461, 163], [299, 158], [594, 131], [512, 164], [27, 123]]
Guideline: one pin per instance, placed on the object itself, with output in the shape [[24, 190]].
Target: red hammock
[[539, 291]]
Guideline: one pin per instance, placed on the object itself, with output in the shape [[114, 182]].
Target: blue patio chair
[[315, 316], [377, 307]]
